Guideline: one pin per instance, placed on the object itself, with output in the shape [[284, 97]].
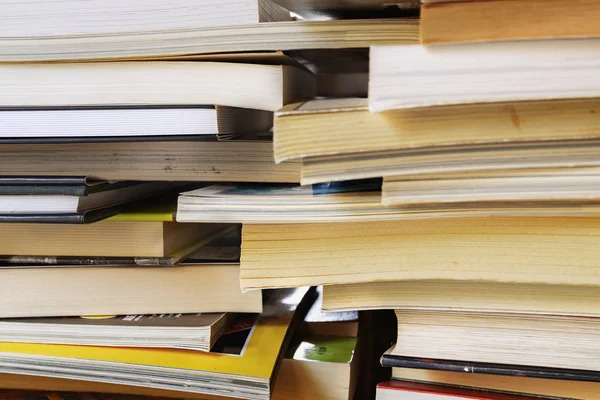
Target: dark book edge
[[110, 139], [54, 187], [72, 218], [388, 360]]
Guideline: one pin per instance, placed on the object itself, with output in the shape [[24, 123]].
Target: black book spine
[[388, 360]]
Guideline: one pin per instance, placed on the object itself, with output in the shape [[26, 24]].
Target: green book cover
[[161, 210], [337, 349]]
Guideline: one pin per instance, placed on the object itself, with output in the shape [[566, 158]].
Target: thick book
[[270, 203], [558, 250], [292, 35], [221, 247], [398, 390], [520, 190], [48, 124], [262, 87], [230, 161], [544, 340], [527, 155], [177, 331], [247, 374], [464, 295], [446, 21], [71, 18], [403, 77], [137, 239], [198, 287], [329, 128]]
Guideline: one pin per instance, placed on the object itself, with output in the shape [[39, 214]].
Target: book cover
[[388, 360], [258, 359], [324, 348], [448, 392], [150, 320]]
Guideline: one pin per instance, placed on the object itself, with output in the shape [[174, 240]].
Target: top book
[[30, 18], [458, 21]]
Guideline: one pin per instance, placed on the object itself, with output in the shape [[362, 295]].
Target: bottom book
[[555, 388], [400, 390]]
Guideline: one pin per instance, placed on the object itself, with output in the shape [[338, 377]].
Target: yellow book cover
[[255, 363]]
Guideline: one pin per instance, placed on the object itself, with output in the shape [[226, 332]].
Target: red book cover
[[440, 392]]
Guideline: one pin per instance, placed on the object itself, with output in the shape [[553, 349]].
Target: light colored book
[[105, 290], [111, 17], [543, 154], [525, 189], [187, 43], [176, 331], [551, 341], [329, 128], [260, 203], [137, 239], [557, 250], [136, 121], [463, 295], [262, 87], [559, 388], [423, 76]]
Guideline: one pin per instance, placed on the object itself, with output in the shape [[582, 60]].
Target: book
[[49, 395], [523, 189], [444, 21], [123, 290], [331, 5], [103, 196], [59, 185], [262, 87], [423, 76], [261, 203], [487, 369], [318, 367], [233, 161], [409, 390], [293, 35], [245, 375], [222, 247], [551, 341], [76, 123], [555, 388], [176, 331], [328, 128], [557, 250], [465, 295], [543, 154], [70, 18], [107, 239]]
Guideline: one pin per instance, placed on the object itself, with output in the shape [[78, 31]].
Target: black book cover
[[388, 360], [83, 261], [86, 217], [110, 139], [57, 186]]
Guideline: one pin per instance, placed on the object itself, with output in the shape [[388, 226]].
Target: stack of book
[[483, 241], [108, 111]]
